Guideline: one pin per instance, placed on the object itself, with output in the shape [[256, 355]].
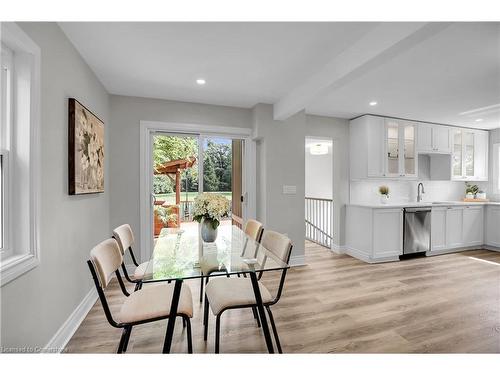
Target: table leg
[[173, 314], [262, 314]]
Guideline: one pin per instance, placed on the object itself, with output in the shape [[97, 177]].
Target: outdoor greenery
[[216, 165]]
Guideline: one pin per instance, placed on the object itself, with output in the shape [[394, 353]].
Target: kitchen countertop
[[422, 204]]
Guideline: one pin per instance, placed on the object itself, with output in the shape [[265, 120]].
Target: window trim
[[496, 168], [26, 114]]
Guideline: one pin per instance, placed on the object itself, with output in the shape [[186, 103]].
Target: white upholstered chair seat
[[154, 301], [223, 293], [140, 270]]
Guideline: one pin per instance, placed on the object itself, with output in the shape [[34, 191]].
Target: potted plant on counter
[[471, 190], [208, 210], [384, 194]]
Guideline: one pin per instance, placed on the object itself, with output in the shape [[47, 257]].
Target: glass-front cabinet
[[463, 156], [400, 155]]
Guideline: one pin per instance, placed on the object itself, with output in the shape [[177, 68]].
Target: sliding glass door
[[185, 165]]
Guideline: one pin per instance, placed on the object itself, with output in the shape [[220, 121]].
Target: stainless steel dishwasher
[[417, 230]]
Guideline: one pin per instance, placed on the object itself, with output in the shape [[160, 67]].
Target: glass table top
[[178, 254]]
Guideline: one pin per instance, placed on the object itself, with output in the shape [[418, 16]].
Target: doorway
[[180, 161], [319, 191]]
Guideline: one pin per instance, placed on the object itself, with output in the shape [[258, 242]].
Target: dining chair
[[236, 293], [148, 304], [209, 263], [125, 238]]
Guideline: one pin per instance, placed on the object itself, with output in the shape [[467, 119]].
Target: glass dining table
[[177, 254]]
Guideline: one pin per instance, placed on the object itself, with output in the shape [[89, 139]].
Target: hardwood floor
[[441, 304]]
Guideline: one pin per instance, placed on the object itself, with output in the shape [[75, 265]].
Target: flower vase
[[208, 233], [384, 198]]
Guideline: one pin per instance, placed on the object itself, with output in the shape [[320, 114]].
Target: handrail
[[318, 229], [320, 199]]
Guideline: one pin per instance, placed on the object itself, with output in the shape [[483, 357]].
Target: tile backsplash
[[366, 191]]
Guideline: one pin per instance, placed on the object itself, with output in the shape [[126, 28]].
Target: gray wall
[[281, 161], [37, 303], [338, 130], [126, 114]]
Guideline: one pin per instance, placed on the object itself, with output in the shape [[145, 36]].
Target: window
[[6, 120], [496, 168], [19, 158]]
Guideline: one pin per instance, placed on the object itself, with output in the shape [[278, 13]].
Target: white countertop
[[422, 204]]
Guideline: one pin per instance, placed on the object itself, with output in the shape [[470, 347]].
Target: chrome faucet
[[419, 194]]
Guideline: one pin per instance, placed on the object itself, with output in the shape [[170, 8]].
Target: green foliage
[[167, 148], [217, 167], [162, 184], [471, 189], [166, 214], [384, 190]]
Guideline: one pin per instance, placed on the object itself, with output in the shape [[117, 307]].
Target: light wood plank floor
[[442, 304]]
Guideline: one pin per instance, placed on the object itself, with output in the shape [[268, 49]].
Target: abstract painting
[[86, 150]]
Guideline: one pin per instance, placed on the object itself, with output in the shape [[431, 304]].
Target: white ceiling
[[243, 63], [456, 70]]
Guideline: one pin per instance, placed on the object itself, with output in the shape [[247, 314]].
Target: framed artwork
[[85, 150]]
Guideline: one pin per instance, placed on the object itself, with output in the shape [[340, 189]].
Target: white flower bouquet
[[210, 207]]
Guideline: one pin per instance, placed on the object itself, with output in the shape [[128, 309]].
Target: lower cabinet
[[492, 226], [438, 228], [456, 226], [387, 233], [374, 234]]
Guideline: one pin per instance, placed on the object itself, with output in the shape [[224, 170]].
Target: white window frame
[[496, 168], [22, 156], [6, 95]]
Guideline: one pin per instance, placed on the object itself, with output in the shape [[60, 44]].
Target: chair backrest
[[254, 229], [125, 237], [279, 244], [106, 258]]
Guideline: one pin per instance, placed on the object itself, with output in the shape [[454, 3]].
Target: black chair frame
[[127, 327], [254, 309]]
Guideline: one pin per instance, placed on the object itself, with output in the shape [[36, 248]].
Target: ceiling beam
[[379, 45]]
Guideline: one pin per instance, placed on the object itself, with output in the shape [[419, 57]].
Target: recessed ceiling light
[[479, 119], [373, 103], [200, 81]]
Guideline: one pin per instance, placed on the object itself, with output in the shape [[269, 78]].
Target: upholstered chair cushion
[[140, 270], [124, 236], [106, 258], [253, 229], [279, 244], [153, 302], [223, 292]]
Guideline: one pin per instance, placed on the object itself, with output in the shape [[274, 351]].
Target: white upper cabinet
[[386, 147], [433, 138], [469, 155], [400, 152]]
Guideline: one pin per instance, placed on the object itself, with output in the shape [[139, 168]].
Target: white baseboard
[[338, 249], [297, 260], [69, 327]]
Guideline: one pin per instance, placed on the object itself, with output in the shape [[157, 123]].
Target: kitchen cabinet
[[473, 228], [433, 138], [383, 147], [454, 227], [387, 233], [438, 228], [469, 155], [457, 226], [374, 234], [492, 231], [400, 151]]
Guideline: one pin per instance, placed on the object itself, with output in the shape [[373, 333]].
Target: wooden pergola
[[174, 167]]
